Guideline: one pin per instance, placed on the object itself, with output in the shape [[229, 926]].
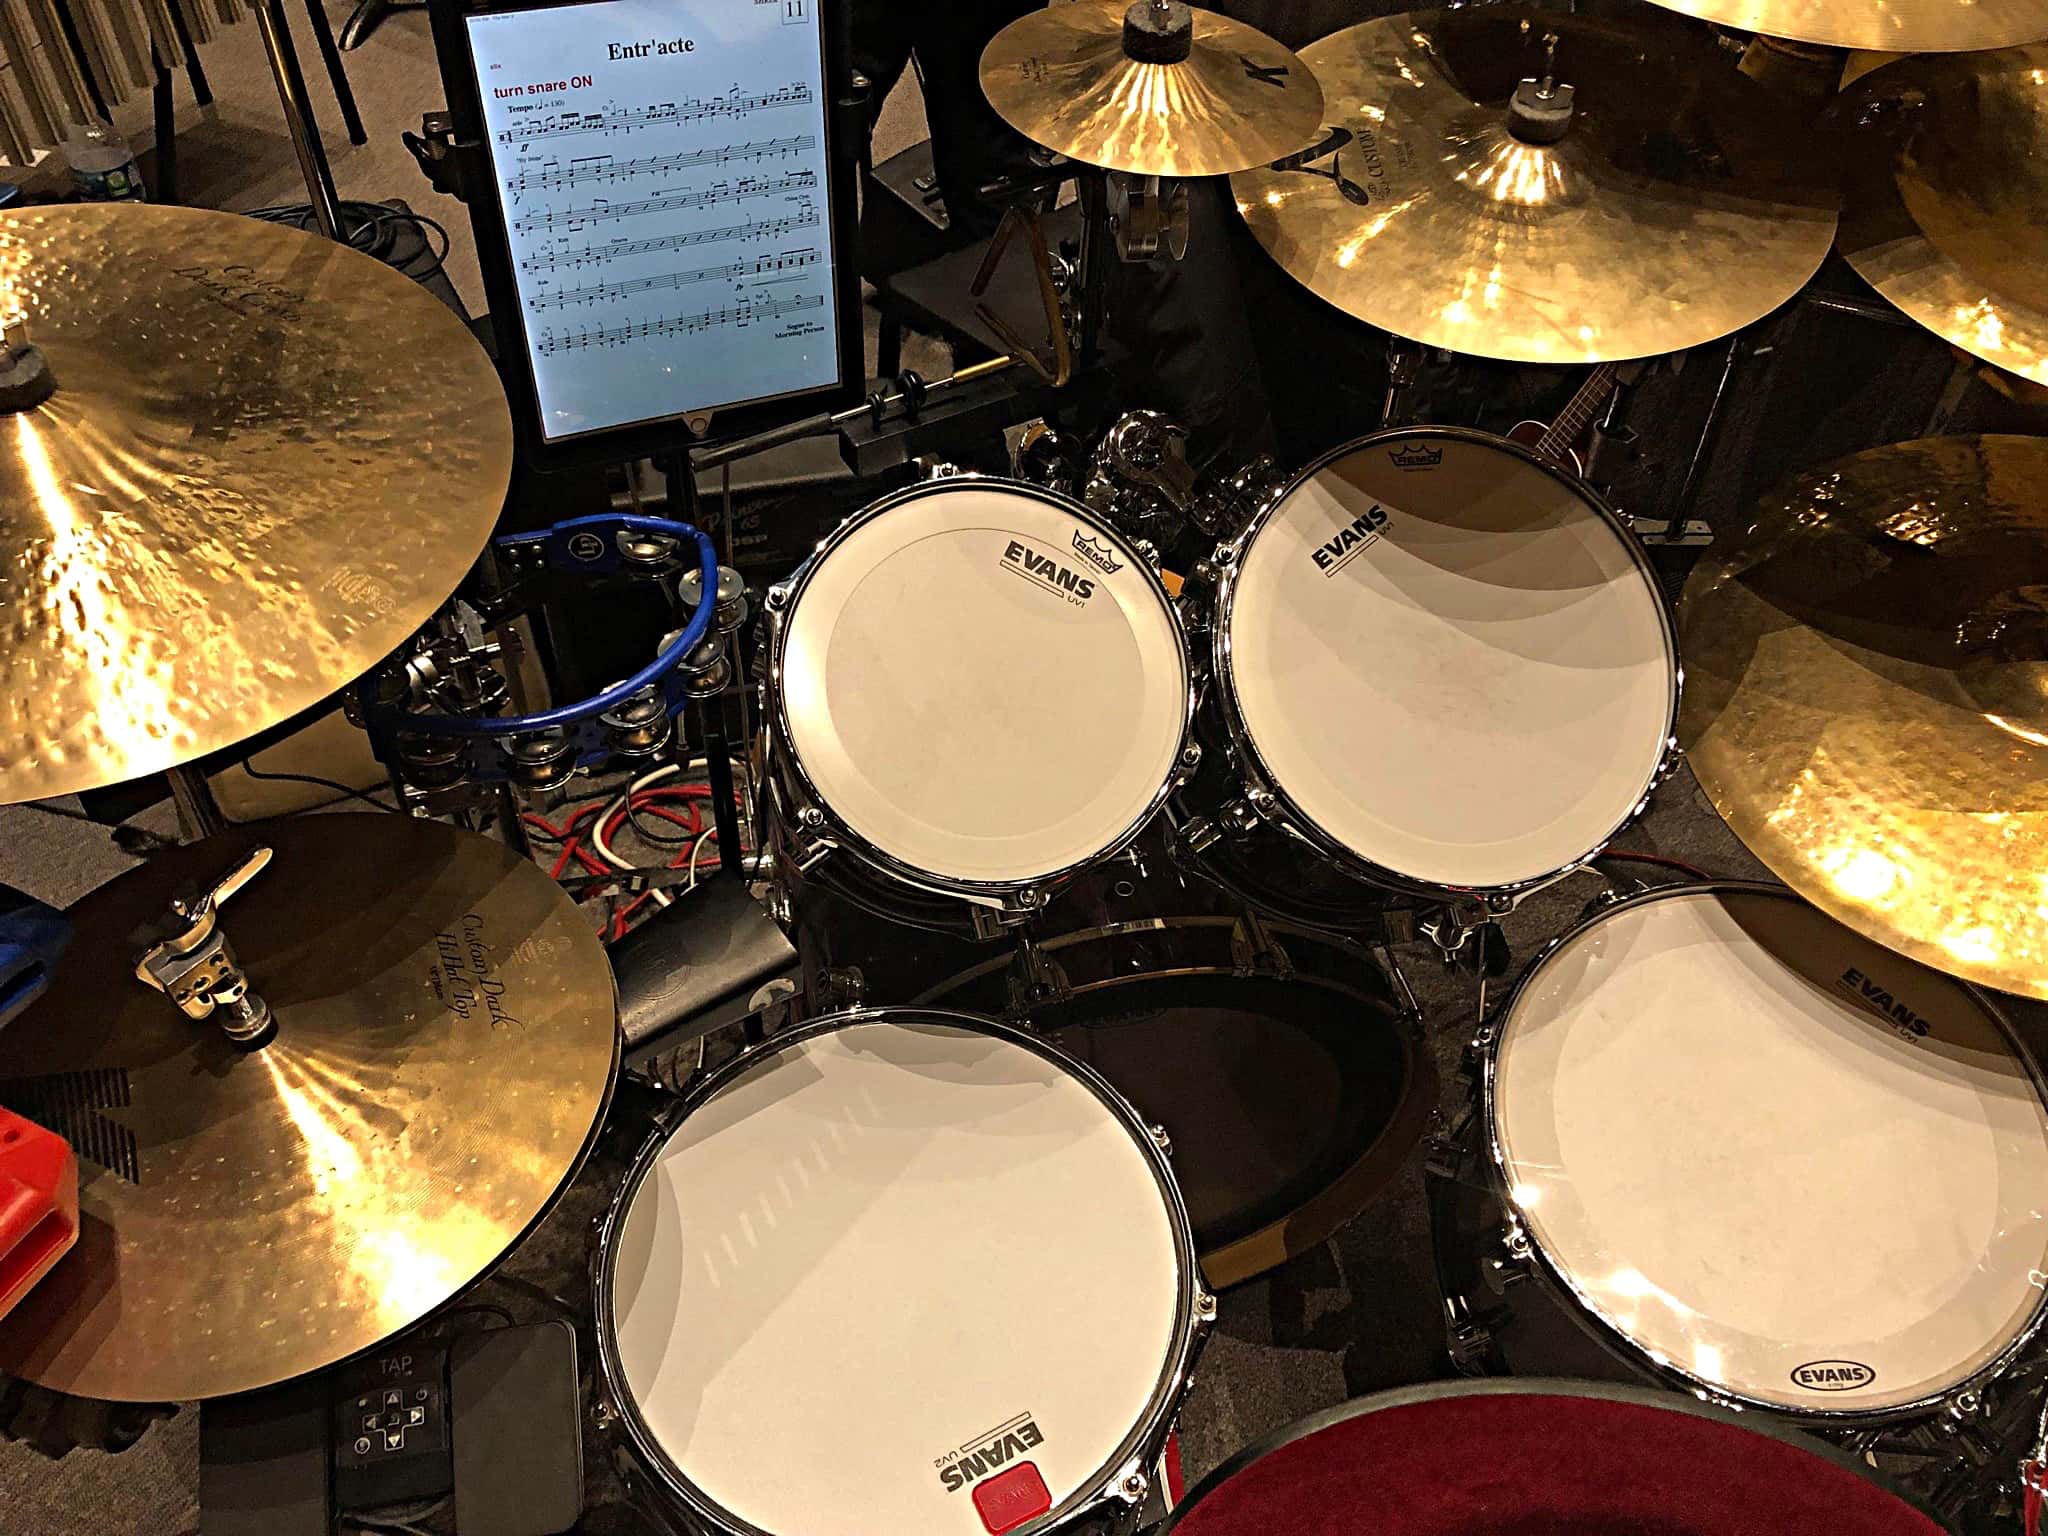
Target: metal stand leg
[[1404, 362], [199, 814], [202, 93], [164, 174], [337, 73], [718, 774], [298, 116]]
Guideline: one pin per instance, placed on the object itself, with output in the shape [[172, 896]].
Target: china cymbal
[[1945, 207], [1889, 26], [1062, 77], [1682, 202], [1866, 697], [446, 1043], [268, 459]]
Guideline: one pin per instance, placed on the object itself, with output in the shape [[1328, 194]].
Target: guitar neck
[[1579, 412]]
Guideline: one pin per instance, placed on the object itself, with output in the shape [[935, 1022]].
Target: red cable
[[1654, 858]]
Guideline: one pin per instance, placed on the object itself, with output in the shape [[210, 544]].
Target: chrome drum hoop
[[1194, 1311], [1271, 800], [1008, 901], [1569, 1295]]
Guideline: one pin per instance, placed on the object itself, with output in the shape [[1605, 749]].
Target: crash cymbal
[[1866, 697], [1681, 203], [1890, 26], [268, 459], [1945, 206], [446, 1042], [1064, 77]]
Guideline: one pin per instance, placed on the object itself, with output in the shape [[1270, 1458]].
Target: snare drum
[[899, 1271], [1443, 664], [1744, 1151], [976, 689]]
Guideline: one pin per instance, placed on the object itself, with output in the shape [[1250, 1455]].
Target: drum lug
[[841, 986], [1036, 979], [1205, 1308], [1200, 835], [1442, 1159], [1190, 760], [1160, 1139], [1469, 1344], [1255, 952], [1131, 1484], [1512, 1265]]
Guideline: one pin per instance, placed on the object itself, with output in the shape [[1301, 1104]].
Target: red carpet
[[1539, 1465]]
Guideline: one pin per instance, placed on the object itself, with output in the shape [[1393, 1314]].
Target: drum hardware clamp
[[195, 966]]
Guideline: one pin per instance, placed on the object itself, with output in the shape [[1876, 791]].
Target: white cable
[[622, 803]]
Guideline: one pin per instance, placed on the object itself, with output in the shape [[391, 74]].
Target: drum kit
[[1769, 1148]]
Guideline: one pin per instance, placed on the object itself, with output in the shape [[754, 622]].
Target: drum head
[[887, 1264], [1522, 1458], [983, 683], [1449, 661], [1774, 1157]]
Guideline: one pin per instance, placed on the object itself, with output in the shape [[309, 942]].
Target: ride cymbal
[[1063, 77], [1866, 697], [446, 1043], [1945, 204], [1889, 26], [268, 459], [1681, 203]]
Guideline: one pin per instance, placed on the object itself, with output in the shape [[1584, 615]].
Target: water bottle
[[103, 165]]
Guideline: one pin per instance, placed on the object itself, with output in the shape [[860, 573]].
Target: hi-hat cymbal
[[268, 459], [1681, 204], [1866, 697], [446, 1043], [1889, 26], [1062, 78], [1945, 207]]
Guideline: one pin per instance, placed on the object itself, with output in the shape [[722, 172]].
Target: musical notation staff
[[605, 168], [717, 192], [597, 255], [605, 293], [746, 312], [667, 114]]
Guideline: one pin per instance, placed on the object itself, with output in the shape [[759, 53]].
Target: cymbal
[[1866, 697], [1889, 26], [1062, 78], [1681, 204], [1945, 207], [268, 459], [446, 1043]]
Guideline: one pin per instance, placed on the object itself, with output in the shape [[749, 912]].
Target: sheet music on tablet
[[661, 166]]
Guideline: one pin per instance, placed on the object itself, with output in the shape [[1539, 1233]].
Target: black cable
[[659, 839], [254, 772], [372, 229]]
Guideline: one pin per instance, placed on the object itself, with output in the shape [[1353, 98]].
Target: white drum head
[[887, 1265], [1788, 1163], [1450, 662], [985, 684]]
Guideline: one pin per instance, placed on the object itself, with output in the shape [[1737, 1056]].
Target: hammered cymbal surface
[[1889, 26], [1866, 697], [268, 460], [1061, 78], [446, 1043], [1682, 203], [1945, 203]]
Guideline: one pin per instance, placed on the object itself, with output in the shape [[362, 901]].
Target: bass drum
[[1441, 664], [1291, 1082]]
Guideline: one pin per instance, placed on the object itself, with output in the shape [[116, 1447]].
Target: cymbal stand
[[1404, 365], [298, 116], [199, 813]]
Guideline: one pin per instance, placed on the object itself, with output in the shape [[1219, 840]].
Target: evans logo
[[1416, 456], [1049, 573], [1098, 555], [989, 1453], [1832, 1376], [1913, 1026], [1361, 533]]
